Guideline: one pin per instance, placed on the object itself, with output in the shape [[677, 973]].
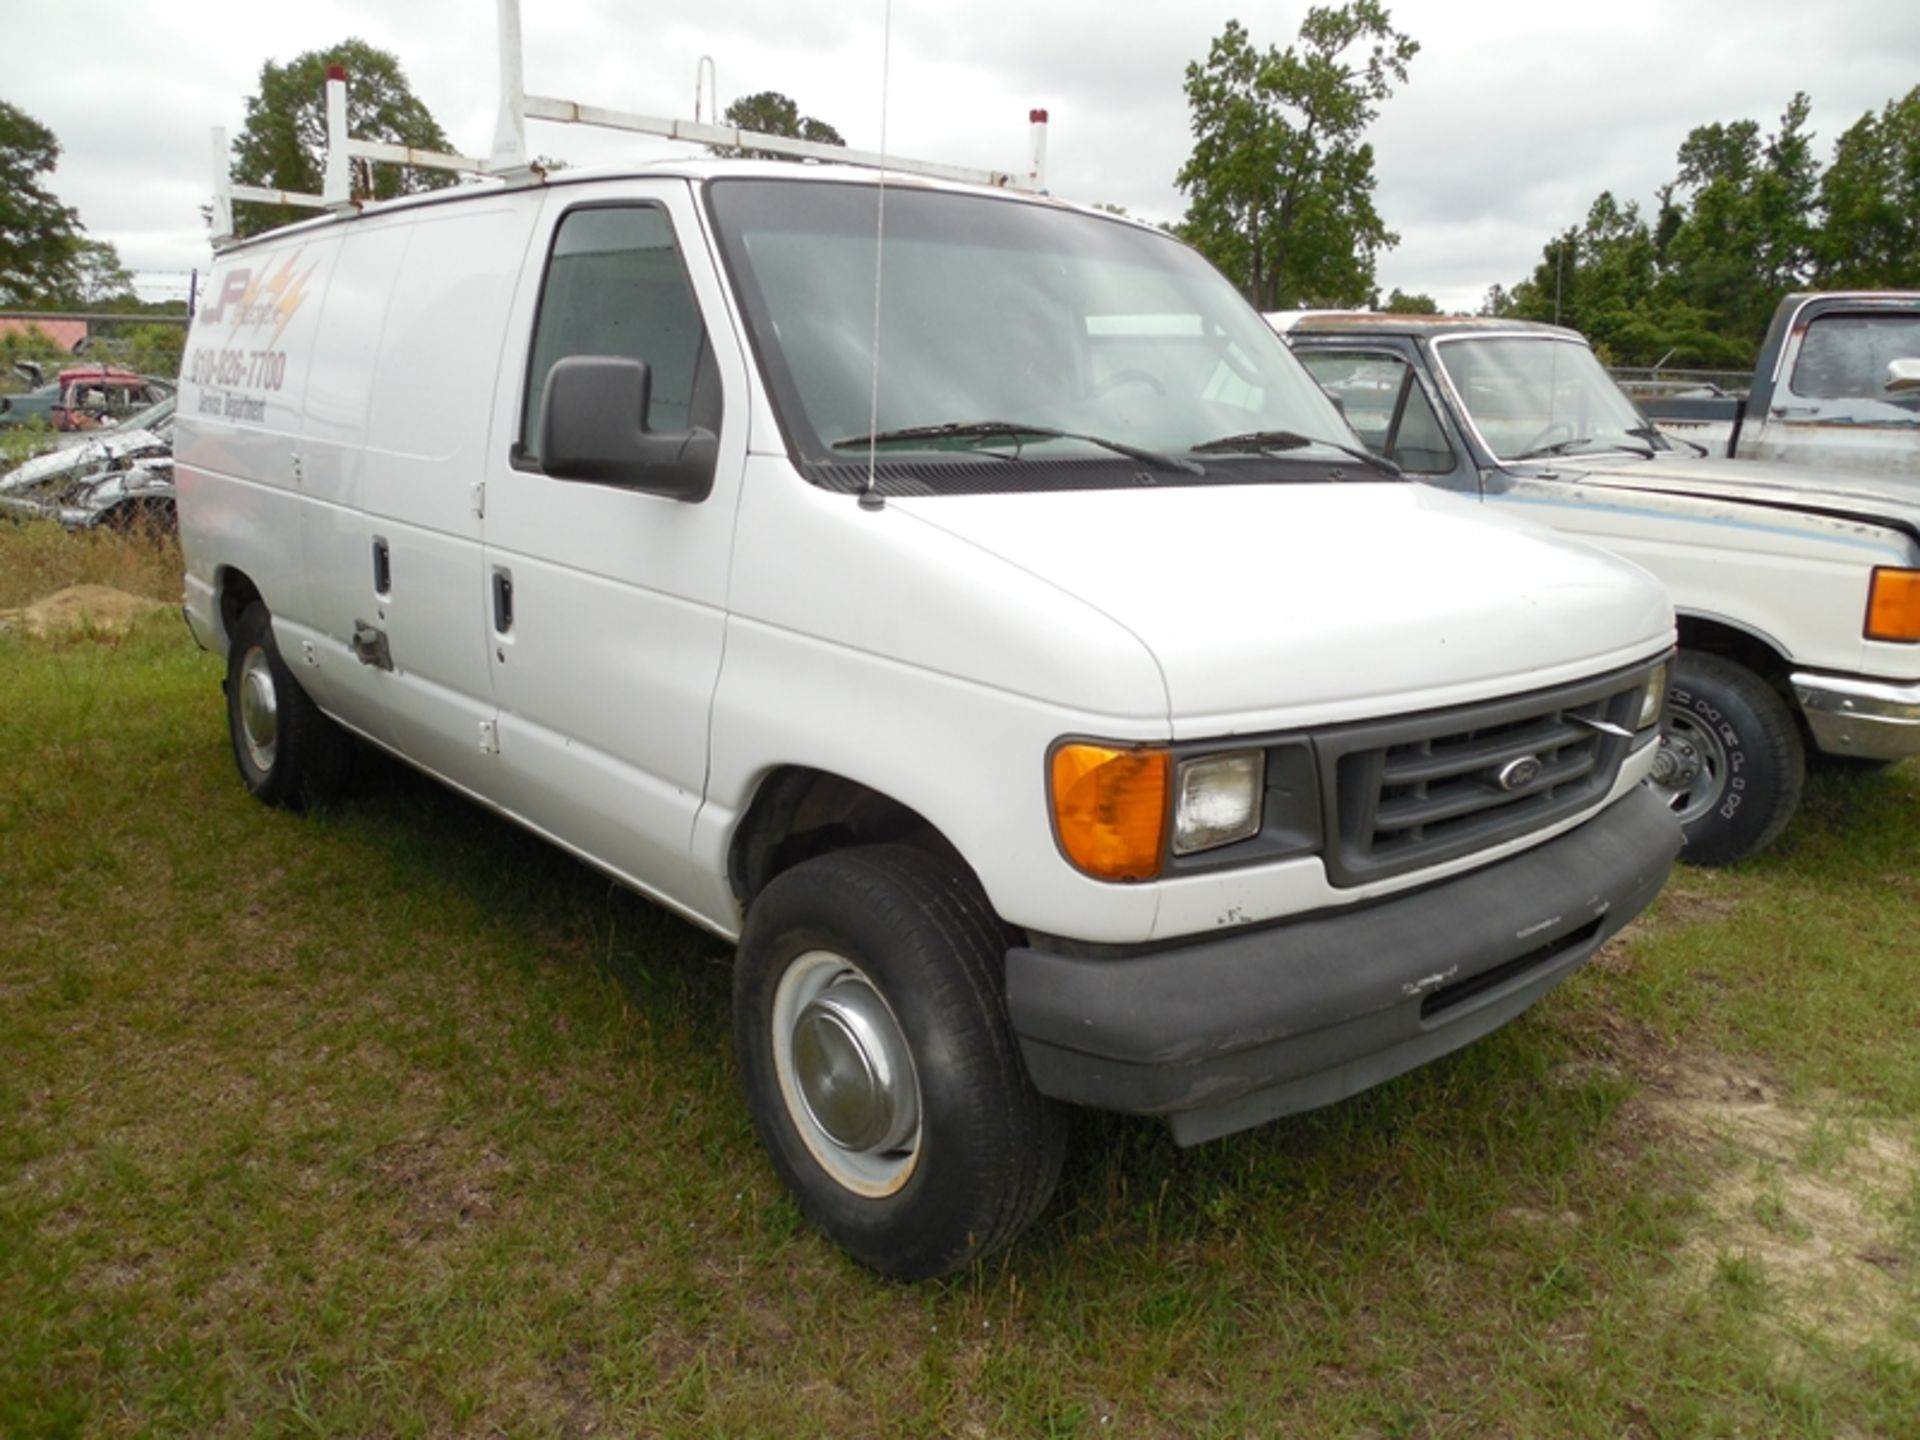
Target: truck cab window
[[615, 286], [1845, 357]]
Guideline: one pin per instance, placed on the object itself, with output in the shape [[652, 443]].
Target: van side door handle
[[502, 601], [382, 569]]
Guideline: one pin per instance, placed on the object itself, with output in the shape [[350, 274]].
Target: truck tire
[[287, 751], [1730, 759], [879, 1065]]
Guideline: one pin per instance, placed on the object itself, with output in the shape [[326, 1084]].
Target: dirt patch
[[1809, 1197], [99, 609]]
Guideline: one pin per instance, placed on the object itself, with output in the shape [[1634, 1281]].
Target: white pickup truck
[[1009, 646], [1798, 589]]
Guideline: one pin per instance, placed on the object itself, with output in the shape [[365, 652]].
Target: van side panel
[[334, 533], [433, 385], [243, 382]]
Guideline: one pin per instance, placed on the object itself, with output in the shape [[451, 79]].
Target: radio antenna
[[870, 498]]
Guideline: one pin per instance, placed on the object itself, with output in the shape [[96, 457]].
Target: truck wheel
[[287, 751], [879, 1065], [1730, 759]]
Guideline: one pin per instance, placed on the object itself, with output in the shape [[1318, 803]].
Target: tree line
[[1279, 187], [1747, 218]]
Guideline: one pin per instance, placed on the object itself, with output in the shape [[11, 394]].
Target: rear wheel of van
[[879, 1064], [287, 751], [1730, 762]]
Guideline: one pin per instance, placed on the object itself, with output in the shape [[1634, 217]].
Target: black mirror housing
[[593, 428]]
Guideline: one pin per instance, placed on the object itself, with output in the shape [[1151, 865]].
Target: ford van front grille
[[1423, 789]]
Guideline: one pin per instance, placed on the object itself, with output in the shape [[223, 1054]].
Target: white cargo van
[[1036, 680]]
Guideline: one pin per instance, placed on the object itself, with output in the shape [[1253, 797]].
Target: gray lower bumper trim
[[1874, 719], [1222, 1034]]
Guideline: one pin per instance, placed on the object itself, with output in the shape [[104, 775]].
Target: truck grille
[[1428, 788]]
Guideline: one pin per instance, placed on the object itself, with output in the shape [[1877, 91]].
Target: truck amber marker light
[[1110, 808], [1893, 605]]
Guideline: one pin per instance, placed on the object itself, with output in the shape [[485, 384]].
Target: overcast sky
[[1516, 112]]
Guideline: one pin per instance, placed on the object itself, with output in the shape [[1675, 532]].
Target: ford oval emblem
[[1518, 774]]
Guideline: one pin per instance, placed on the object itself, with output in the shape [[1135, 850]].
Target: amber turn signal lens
[[1110, 809], [1893, 605]]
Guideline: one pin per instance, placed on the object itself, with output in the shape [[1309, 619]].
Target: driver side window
[[1386, 405]]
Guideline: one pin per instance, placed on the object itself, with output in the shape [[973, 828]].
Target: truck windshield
[[1008, 330], [1531, 397]]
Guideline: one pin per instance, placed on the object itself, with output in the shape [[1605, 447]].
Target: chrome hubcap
[[846, 1074], [1690, 766], [259, 709]]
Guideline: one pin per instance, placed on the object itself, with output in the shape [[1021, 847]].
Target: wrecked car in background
[[84, 397], [1798, 588], [120, 478]]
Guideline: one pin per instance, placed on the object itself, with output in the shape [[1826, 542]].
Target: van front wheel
[[879, 1065], [287, 751]]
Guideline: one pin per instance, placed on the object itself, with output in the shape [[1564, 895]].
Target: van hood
[[1274, 605], [1883, 499]]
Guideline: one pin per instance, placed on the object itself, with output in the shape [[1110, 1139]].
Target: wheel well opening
[[1711, 637], [237, 591], [799, 813]]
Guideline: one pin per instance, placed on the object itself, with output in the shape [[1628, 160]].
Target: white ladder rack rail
[[509, 162]]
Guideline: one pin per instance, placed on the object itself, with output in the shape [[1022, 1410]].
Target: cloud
[[1514, 117]]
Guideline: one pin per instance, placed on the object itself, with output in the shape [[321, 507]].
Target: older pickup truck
[[1798, 589], [1837, 385]]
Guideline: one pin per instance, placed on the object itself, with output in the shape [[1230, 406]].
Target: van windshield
[[1007, 330]]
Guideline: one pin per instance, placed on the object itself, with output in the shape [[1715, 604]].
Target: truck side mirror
[[593, 427], [1903, 376]]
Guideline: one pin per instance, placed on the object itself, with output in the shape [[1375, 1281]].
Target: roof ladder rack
[[509, 161]]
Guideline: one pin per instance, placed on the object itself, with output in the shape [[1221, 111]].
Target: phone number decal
[[238, 369]]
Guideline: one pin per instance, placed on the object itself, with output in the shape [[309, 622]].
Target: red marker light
[[336, 72]]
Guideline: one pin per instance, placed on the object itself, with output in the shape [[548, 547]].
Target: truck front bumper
[[1874, 719], [1223, 1034]]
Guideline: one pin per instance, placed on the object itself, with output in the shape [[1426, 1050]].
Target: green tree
[[1871, 195], [283, 145], [1280, 181], [771, 113], [39, 236], [98, 278], [1747, 235], [1401, 303]]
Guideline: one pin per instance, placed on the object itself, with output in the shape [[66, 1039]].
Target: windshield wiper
[[1652, 433], [1016, 432], [1268, 442], [1559, 447]]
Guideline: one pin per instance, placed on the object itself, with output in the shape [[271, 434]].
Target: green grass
[[392, 1120]]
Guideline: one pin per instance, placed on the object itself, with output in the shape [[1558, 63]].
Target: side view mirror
[[593, 427], [1903, 376]]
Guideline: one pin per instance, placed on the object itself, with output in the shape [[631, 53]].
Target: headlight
[[1217, 800], [1655, 698], [1893, 605]]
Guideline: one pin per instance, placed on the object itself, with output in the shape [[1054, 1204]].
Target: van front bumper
[[1223, 1034], [1874, 719]]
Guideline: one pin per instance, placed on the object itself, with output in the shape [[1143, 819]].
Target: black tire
[[984, 1157], [1732, 762], [287, 751]]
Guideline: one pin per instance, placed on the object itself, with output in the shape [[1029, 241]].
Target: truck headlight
[[1216, 800], [1656, 697]]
